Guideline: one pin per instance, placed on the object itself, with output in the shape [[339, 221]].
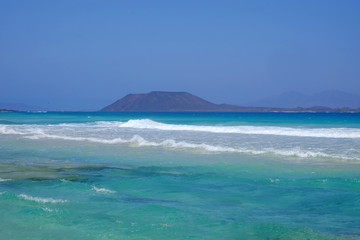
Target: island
[[160, 101]]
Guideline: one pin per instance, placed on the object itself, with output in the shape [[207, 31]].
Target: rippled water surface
[[179, 176]]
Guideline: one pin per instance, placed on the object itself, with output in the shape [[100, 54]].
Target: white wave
[[102, 190], [1, 193], [138, 141], [4, 179], [149, 124], [60, 132], [21, 129], [260, 130], [9, 130], [41, 200], [89, 139]]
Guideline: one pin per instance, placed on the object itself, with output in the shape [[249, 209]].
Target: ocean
[[90, 175]]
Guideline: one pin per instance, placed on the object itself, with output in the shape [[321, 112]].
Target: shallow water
[[179, 176]]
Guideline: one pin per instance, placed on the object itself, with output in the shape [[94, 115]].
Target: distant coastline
[[8, 110], [160, 101]]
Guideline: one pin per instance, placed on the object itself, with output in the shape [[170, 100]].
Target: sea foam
[[138, 141], [46, 209], [259, 130], [4, 179], [106, 132], [102, 190], [41, 200], [150, 124]]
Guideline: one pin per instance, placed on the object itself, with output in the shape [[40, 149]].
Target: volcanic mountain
[[185, 102], [163, 102]]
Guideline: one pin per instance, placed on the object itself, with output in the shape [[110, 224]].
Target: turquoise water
[[179, 176]]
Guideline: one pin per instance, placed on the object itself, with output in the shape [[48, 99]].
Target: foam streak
[[41, 200]]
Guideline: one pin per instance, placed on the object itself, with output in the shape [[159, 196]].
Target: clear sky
[[73, 54]]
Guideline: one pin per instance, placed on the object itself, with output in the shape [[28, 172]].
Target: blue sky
[[82, 55]]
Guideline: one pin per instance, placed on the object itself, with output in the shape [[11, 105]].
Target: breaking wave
[[138, 141], [261, 130], [150, 124], [81, 131]]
